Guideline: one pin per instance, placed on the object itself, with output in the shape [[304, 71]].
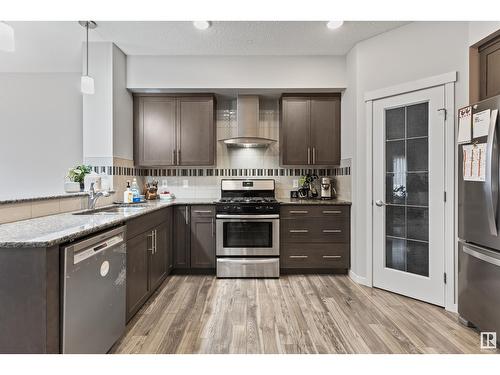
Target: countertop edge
[[311, 202], [123, 220], [48, 197]]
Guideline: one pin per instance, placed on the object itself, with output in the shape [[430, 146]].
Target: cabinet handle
[[152, 242], [299, 230], [202, 211], [314, 155], [187, 215], [299, 212], [332, 231], [213, 230], [298, 256], [332, 256], [173, 157], [309, 155], [178, 156], [332, 212]]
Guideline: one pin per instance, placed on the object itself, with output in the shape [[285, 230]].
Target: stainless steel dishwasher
[[93, 312]]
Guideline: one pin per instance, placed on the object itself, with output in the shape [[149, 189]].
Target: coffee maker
[[327, 189]]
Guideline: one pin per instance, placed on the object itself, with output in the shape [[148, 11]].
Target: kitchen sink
[[113, 210]]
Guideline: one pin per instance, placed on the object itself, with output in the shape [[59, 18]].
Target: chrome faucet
[[93, 196]]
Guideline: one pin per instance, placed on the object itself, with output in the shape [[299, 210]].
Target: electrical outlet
[[185, 183], [295, 183]]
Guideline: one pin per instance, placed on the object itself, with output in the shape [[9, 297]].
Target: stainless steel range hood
[[248, 124]]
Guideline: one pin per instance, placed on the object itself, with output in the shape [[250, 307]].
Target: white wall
[[41, 132], [479, 30], [411, 52], [98, 108], [236, 72], [122, 108], [108, 114]]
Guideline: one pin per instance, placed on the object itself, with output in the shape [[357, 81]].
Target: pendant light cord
[[87, 27]]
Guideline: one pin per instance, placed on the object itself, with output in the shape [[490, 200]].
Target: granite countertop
[[47, 197], [314, 201], [52, 230]]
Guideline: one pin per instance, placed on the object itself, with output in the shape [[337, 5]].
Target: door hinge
[[444, 111], [444, 196], [444, 277]]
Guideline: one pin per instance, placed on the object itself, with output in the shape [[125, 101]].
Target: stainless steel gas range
[[247, 217]]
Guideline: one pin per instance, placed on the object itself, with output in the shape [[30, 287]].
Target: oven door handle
[[221, 216]]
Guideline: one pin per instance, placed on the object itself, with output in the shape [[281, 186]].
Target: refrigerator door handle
[[491, 183], [481, 256]]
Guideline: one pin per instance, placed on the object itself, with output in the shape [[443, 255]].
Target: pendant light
[[87, 82], [7, 42]]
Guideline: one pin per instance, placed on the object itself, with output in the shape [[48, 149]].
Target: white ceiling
[[44, 46], [240, 38]]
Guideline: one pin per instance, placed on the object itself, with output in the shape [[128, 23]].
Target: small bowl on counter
[[166, 196]]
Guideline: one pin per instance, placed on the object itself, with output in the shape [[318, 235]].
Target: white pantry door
[[408, 194]]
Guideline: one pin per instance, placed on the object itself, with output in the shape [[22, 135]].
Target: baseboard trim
[[358, 279]]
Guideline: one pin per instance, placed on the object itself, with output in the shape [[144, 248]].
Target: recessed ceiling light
[[332, 25], [202, 25]]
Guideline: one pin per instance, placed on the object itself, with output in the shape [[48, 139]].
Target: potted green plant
[[77, 174]]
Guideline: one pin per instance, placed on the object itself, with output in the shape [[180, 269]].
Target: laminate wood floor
[[293, 314]]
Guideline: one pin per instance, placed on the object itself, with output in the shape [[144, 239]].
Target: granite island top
[[56, 229]]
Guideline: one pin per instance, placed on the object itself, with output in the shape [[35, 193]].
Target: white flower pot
[[71, 187]]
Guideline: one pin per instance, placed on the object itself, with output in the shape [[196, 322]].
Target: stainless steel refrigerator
[[479, 234]]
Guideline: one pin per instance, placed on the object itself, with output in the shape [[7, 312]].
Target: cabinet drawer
[[143, 223], [291, 212], [202, 211], [315, 255], [315, 230]]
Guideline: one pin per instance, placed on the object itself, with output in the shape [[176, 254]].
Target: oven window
[[248, 234]]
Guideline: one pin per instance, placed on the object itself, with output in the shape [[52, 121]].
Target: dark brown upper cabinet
[[155, 128], [195, 131], [310, 130], [174, 130], [489, 69]]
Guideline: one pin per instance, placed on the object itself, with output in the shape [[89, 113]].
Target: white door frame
[[450, 239]]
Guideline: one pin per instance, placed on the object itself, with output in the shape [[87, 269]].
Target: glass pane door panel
[[407, 189]]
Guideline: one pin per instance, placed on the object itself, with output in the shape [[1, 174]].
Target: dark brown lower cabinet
[[148, 259], [137, 272], [158, 257], [202, 237], [181, 237], [315, 238]]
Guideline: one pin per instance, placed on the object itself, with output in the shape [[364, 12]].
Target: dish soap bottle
[[127, 194], [135, 191]]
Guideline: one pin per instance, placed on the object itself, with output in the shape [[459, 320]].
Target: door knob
[[380, 203]]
